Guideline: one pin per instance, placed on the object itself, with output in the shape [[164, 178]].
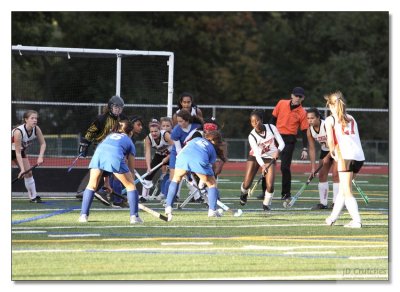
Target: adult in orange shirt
[[289, 116]]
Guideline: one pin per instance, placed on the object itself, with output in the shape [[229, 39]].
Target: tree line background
[[240, 58]]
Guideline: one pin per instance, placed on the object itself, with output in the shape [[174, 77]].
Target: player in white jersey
[[345, 147], [161, 142], [186, 102], [262, 141], [317, 133], [21, 138]]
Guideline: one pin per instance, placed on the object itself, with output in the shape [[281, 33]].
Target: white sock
[[352, 207], [193, 190], [335, 187], [244, 191], [268, 198], [323, 188], [178, 193], [30, 187], [145, 192], [339, 204]]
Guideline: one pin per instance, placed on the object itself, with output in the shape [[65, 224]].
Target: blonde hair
[[337, 100]]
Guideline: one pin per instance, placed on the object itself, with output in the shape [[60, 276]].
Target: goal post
[[70, 86]]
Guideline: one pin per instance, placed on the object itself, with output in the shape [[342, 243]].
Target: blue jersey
[[111, 153], [178, 134], [197, 156]]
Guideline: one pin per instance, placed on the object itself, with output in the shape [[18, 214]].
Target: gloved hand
[[83, 147]]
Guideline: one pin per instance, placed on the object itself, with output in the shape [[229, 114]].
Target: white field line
[[183, 226], [309, 252], [287, 248], [186, 249], [74, 235], [369, 258], [29, 231]]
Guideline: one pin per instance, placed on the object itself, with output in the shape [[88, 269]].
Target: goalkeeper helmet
[[116, 102]]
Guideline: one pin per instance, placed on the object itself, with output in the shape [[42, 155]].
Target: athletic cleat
[[286, 197], [243, 199], [122, 204], [329, 221], [266, 208], [160, 197], [79, 196], [37, 199], [214, 213], [142, 200], [136, 220], [353, 224], [83, 218], [198, 200], [169, 216], [331, 206], [103, 197], [319, 207]]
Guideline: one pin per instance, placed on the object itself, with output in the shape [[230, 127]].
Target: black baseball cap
[[298, 91]]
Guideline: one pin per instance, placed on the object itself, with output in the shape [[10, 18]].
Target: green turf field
[[284, 244]]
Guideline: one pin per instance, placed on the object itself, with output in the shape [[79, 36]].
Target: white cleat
[[214, 213], [169, 216], [83, 218], [329, 221], [353, 224], [136, 220], [168, 212]]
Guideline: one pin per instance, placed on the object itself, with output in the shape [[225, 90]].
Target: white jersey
[[263, 144], [348, 139], [26, 137], [320, 136], [193, 112], [162, 148]]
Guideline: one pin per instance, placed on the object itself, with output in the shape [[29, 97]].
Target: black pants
[[286, 161]]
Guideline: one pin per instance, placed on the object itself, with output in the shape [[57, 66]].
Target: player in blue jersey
[[181, 133], [197, 156], [111, 156]]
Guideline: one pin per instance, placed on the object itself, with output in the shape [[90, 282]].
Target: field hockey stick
[[261, 177], [73, 162], [360, 191], [141, 178], [25, 172], [142, 207], [303, 187], [236, 213], [187, 200]]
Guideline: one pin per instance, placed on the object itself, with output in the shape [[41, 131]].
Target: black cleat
[[286, 197], [266, 208], [319, 207], [243, 199], [331, 206], [142, 200], [36, 200], [103, 197]]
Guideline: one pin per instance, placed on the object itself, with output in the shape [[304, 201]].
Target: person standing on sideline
[[289, 116], [345, 148], [317, 133], [197, 156], [111, 156], [186, 103], [21, 137], [263, 151]]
